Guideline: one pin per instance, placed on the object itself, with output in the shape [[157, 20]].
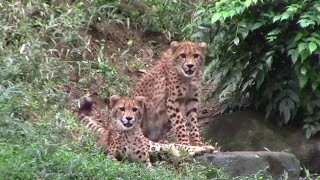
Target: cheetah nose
[[190, 65], [128, 118]]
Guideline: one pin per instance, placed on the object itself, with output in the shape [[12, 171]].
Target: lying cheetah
[[171, 87], [124, 137]]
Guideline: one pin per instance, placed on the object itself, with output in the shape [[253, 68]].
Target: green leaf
[[260, 66], [306, 22], [307, 121], [244, 33], [314, 86], [285, 16], [247, 3], [287, 114], [254, 74], [276, 18], [302, 46], [290, 103], [290, 52], [225, 14], [269, 62], [312, 47], [315, 34], [293, 8], [308, 133], [259, 79], [278, 97], [247, 84], [295, 56], [232, 13], [310, 107], [236, 41], [256, 26], [304, 54], [239, 9], [273, 35], [303, 70], [293, 95], [317, 93], [313, 39], [274, 32], [298, 37], [215, 17], [282, 105], [303, 81]]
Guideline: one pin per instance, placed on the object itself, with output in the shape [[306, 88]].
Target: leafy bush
[[267, 54]]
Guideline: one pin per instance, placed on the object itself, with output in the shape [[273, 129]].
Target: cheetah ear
[[113, 100], [203, 45], [174, 45], [141, 100]]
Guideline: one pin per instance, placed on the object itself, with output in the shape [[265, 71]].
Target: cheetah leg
[[178, 121], [191, 150], [192, 113], [176, 148], [111, 152], [144, 158], [192, 117], [159, 147]]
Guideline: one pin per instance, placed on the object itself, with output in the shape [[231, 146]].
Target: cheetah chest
[[133, 146]]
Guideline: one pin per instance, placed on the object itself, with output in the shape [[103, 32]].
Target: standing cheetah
[[124, 136], [171, 87]]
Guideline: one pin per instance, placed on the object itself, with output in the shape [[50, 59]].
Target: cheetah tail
[[84, 114]]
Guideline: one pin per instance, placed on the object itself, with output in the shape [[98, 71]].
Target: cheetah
[[172, 88], [124, 135]]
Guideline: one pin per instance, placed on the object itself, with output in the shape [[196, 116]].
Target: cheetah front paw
[[112, 158], [210, 149], [197, 151], [148, 165], [175, 152]]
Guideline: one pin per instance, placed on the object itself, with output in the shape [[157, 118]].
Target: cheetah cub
[[124, 137], [172, 89]]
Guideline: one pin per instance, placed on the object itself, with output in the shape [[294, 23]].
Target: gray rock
[[247, 131], [244, 163]]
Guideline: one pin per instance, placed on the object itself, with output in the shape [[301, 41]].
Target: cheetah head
[[126, 112], [188, 57]]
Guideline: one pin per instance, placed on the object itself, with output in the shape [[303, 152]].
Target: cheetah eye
[[196, 55], [134, 109], [122, 109], [183, 55]]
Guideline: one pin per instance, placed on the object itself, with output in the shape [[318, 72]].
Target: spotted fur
[[124, 137], [172, 88]]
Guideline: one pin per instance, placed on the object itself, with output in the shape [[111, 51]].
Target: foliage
[[265, 53], [167, 16]]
